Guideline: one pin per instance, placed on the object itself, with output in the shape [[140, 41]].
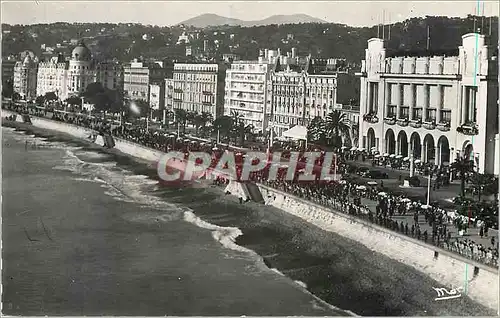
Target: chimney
[[266, 53], [279, 51], [294, 52]]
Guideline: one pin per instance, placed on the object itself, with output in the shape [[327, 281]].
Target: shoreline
[[44, 132], [229, 241]]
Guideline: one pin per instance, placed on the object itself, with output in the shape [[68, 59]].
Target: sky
[[166, 13]]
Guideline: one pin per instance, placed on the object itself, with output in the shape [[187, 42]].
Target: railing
[[370, 118], [469, 129], [429, 125], [403, 122], [416, 123], [443, 126], [390, 120]]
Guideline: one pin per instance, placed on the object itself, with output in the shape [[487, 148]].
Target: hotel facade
[[246, 91], [432, 107], [199, 88], [302, 92]]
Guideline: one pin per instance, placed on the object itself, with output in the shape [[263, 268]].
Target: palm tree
[[224, 125], [336, 127], [483, 184], [181, 118], [316, 130], [463, 166], [238, 126]]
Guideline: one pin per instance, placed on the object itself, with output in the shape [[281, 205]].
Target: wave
[[123, 185]]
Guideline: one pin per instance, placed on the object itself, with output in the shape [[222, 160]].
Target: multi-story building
[[25, 73], [169, 93], [246, 91], [71, 78], [157, 96], [138, 76], [431, 107], [52, 77], [8, 69], [110, 74], [199, 88], [301, 92]]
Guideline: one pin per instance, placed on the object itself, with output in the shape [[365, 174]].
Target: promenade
[[367, 206]]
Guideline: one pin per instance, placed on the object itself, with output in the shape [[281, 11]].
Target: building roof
[[81, 53]]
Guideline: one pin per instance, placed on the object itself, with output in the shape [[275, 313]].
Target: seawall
[[443, 266]]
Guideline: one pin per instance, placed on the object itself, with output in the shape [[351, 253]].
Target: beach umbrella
[[382, 194], [418, 161], [405, 200], [392, 156], [386, 154], [372, 183], [399, 157], [406, 158], [361, 187], [377, 156]]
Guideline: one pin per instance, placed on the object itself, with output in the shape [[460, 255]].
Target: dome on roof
[[81, 53]]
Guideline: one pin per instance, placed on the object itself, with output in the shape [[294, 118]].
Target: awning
[[296, 132]]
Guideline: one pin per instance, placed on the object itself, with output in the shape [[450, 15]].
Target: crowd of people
[[345, 196]]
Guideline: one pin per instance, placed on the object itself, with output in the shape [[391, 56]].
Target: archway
[[402, 144], [370, 139], [390, 142], [444, 154], [429, 149], [416, 145]]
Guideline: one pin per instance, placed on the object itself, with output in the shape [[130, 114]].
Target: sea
[[86, 231]]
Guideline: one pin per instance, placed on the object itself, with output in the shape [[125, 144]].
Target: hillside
[[210, 19], [125, 41]]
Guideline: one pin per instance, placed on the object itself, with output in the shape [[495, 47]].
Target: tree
[[50, 96], [484, 184], [181, 118], [224, 125], [316, 130], [40, 100], [238, 126], [463, 166], [8, 88], [16, 96], [74, 100], [336, 127]]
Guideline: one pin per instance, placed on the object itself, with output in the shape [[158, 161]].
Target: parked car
[[375, 174], [362, 171]]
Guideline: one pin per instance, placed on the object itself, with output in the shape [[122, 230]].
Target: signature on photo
[[443, 293]]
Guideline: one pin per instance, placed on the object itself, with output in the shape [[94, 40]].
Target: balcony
[[443, 126], [429, 125], [207, 103], [403, 122], [469, 128], [178, 90], [416, 123], [207, 93], [370, 118], [390, 120]]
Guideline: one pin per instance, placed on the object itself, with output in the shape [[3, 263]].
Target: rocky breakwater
[[478, 281]]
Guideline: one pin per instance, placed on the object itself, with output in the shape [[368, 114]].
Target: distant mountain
[[210, 19]]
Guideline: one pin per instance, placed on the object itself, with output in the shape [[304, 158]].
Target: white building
[[25, 73], [199, 88], [431, 106], [157, 96], [246, 91], [52, 77], [302, 92], [71, 78]]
